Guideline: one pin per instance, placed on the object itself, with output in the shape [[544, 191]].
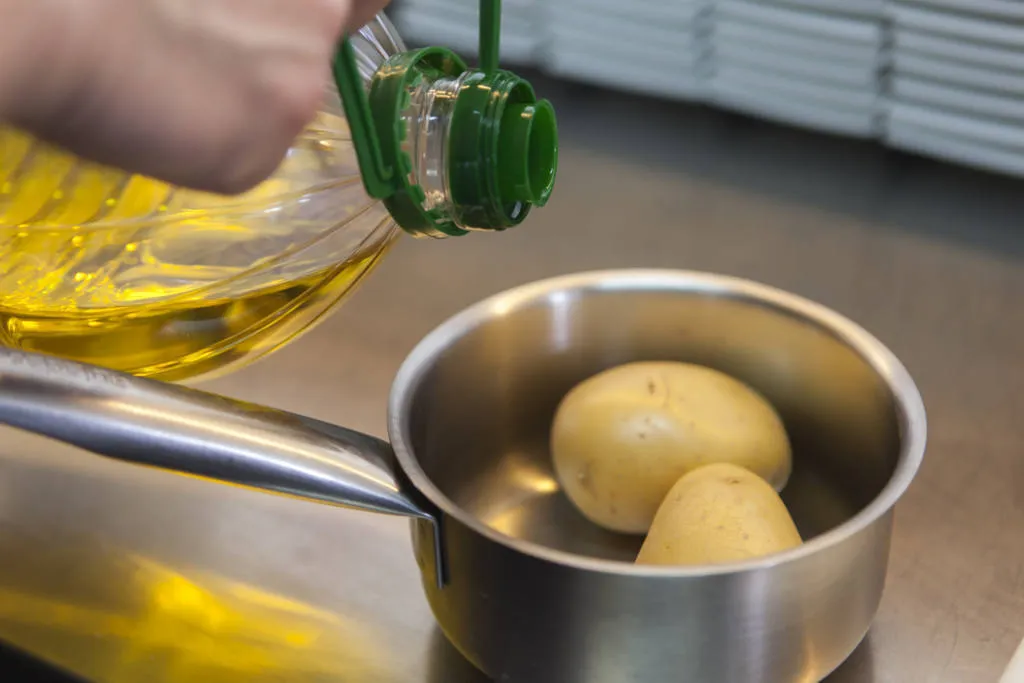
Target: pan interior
[[480, 416]]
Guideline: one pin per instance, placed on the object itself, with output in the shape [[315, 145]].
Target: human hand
[[207, 94]]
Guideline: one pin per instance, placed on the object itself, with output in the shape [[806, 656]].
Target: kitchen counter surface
[[129, 574]]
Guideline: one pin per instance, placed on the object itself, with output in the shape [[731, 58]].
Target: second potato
[[623, 437]]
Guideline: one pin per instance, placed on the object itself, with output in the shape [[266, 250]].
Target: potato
[[718, 513], [623, 437]]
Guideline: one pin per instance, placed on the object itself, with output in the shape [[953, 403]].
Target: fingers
[[206, 94]]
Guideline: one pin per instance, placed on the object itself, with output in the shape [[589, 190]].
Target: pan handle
[[186, 430]]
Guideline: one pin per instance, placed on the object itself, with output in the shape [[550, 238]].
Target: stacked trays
[[810, 63], [456, 24], [957, 82], [943, 78], [647, 46]]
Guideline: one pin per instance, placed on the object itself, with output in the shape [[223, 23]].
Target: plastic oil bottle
[[136, 275]]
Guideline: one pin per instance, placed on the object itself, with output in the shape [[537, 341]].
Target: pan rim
[[911, 414]]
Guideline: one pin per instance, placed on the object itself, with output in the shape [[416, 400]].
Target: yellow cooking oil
[[132, 274]]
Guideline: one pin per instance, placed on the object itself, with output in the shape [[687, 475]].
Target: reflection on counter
[[447, 665], [115, 617]]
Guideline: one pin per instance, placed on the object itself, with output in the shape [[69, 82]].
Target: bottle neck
[[449, 149], [428, 124]]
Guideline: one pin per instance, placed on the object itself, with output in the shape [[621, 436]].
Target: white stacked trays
[[957, 81], [649, 46], [944, 78], [455, 24], [811, 63]]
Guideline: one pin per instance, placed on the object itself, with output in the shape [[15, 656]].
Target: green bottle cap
[[502, 146]]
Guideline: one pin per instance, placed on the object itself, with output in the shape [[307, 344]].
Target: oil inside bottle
[[132, 274]]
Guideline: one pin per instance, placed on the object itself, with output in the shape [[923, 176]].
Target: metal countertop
[[929, 258]]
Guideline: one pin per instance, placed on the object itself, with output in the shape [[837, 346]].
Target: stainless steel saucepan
[[522, 584]]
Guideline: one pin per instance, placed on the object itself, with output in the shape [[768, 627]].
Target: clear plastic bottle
[[133, 274]]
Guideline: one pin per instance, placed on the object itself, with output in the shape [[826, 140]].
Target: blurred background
[[862, 153], [939, 77]]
